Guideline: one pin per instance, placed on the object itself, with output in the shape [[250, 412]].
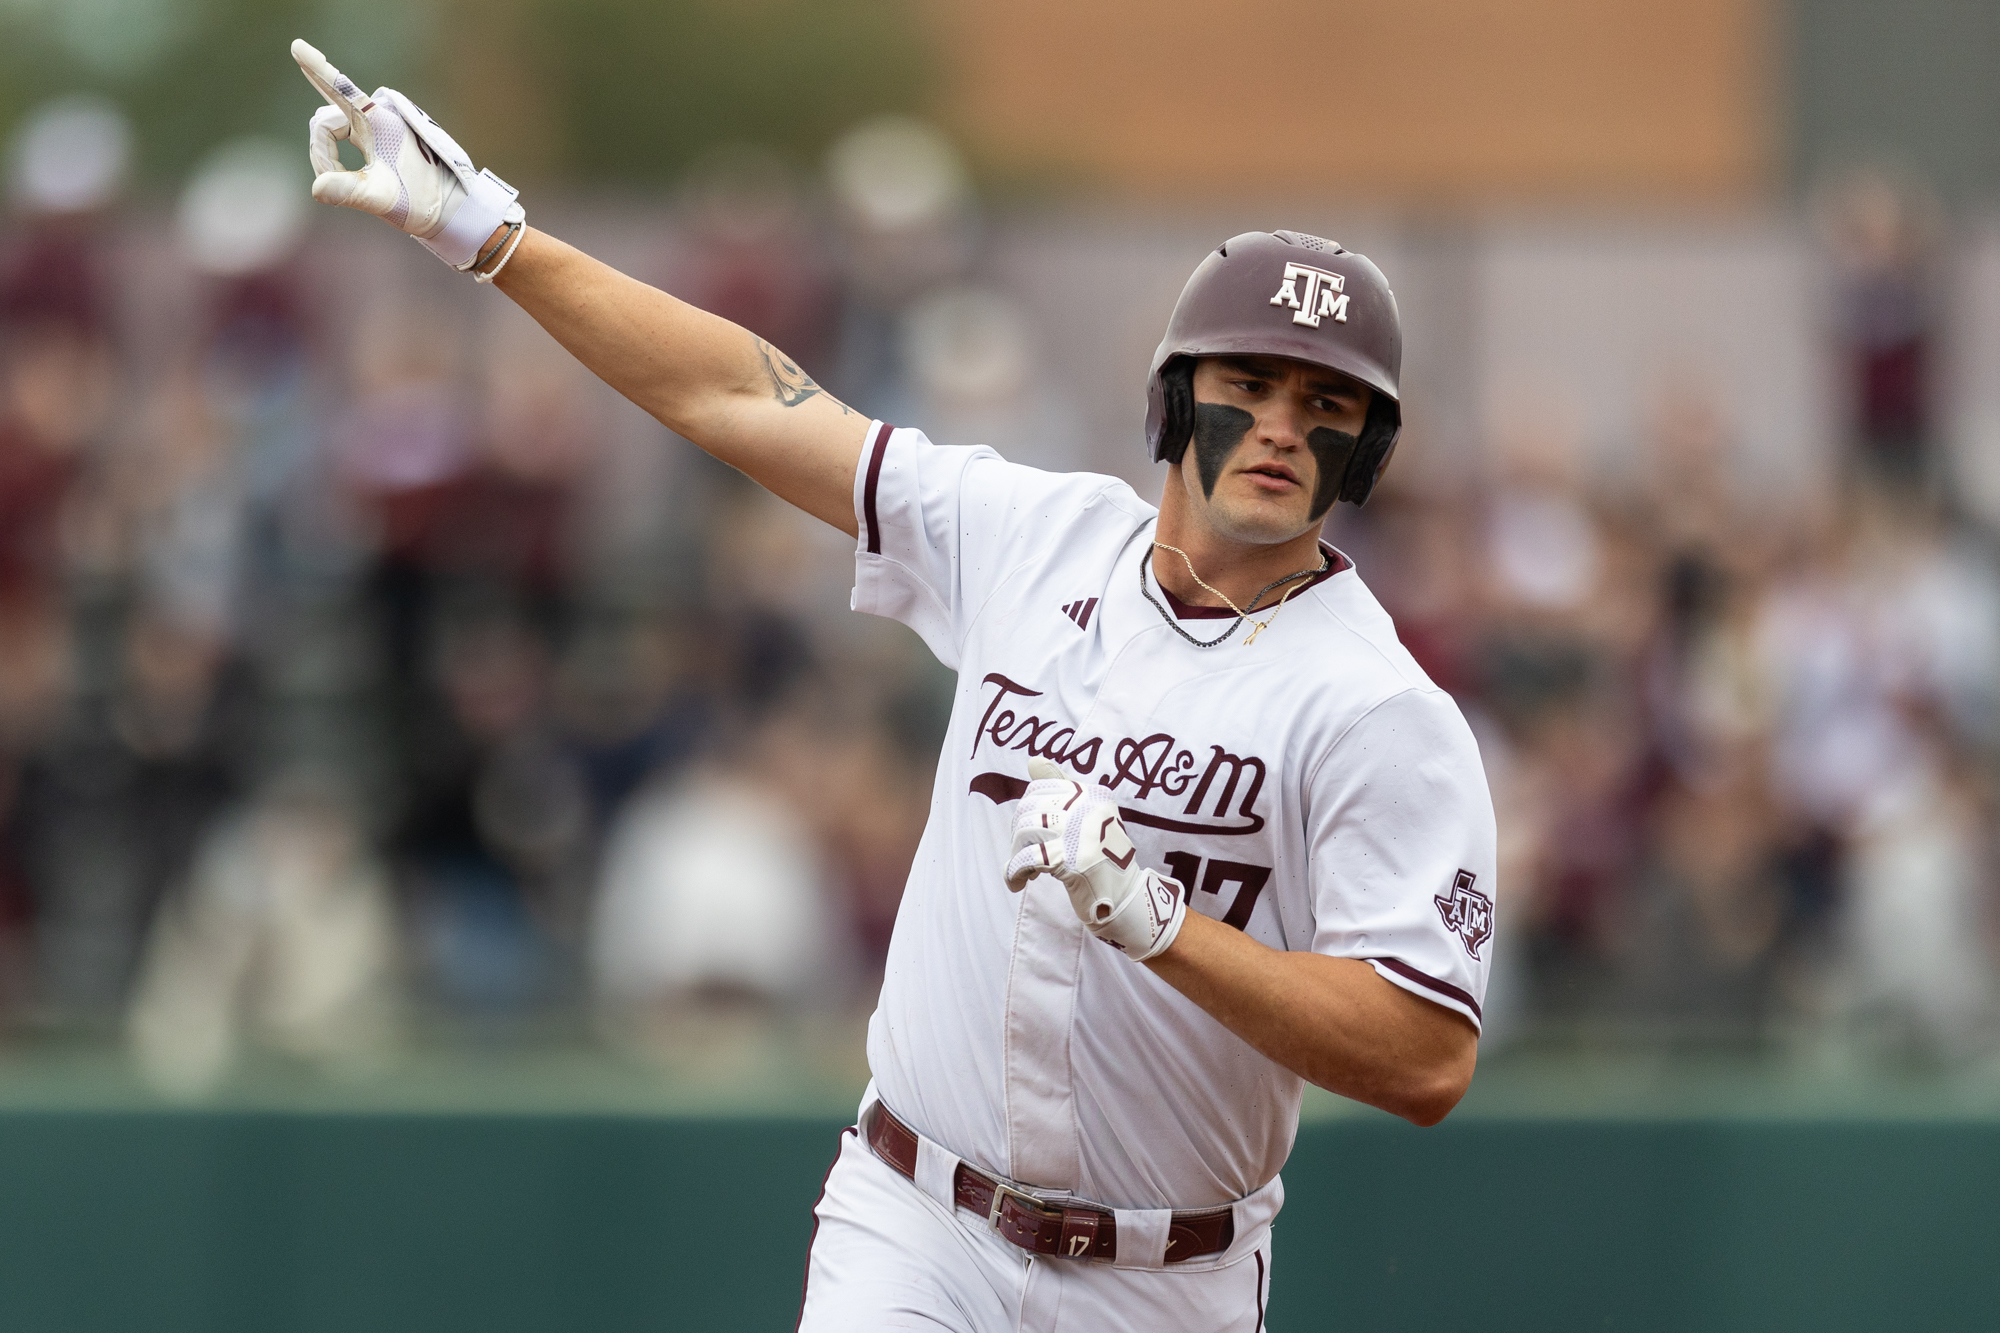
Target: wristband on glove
[[1076, 834], [506, 247], [413, 174]]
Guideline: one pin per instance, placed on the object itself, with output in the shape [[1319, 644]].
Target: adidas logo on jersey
[[1080, 610]]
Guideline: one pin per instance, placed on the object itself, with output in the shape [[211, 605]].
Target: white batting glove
[[413, 175], [1074, 832]]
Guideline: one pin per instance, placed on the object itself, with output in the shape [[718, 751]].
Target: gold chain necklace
[[1256, 626]]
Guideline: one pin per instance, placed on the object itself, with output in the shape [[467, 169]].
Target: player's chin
[[1257, 517]]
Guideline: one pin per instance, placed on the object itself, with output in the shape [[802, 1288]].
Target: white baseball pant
[[885, 1255]]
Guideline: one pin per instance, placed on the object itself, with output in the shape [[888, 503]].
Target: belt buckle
[[1001, 1193]]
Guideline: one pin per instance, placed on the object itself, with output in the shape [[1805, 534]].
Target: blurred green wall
[[597, 91], [270, 1223], [1908, 82], [627, 92]]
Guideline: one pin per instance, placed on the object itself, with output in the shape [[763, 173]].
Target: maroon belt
[[1040, 1227]]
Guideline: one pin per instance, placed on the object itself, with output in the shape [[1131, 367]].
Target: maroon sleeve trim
[[1428, 982], [880, 447]]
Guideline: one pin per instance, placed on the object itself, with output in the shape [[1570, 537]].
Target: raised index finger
[[335, 87]]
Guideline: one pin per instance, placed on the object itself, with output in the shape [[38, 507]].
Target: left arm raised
[[1332, 1021]]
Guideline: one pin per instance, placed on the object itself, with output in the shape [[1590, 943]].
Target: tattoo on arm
[[789, 383]]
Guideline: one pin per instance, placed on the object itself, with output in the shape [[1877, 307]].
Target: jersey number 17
[[1187, 868]]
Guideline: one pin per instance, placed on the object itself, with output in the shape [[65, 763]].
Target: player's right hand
[[1077, 834], [413, 175]]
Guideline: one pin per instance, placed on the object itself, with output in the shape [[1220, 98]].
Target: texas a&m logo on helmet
[[1313, 294], [1467, 912]]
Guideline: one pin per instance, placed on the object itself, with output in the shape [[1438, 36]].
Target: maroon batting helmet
[[1286, 294]]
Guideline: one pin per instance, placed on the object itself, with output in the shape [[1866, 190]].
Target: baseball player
[[1202, 830]]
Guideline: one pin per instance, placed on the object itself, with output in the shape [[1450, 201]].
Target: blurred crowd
[[364, 682], [1742, 749], [364, 677]]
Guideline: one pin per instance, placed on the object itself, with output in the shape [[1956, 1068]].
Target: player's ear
[[1177, 423]]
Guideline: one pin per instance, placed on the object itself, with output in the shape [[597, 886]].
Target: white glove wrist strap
[[489, 203], [1167, 937]]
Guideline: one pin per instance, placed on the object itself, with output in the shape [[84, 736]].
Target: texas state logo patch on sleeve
[[1467, 912]]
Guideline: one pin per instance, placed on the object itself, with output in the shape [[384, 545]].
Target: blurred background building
[[373, 682]]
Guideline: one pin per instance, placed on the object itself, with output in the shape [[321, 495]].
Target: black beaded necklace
[[1242, 613]]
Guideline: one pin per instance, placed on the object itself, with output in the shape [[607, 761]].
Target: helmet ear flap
[[1177, 422], [1371, 454]]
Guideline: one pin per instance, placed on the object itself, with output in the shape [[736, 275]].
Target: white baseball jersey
[[1313, 789]]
